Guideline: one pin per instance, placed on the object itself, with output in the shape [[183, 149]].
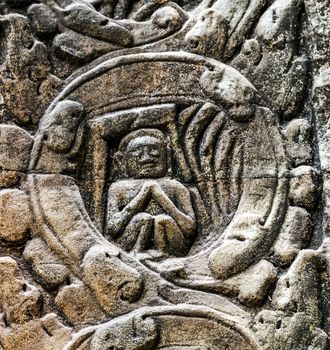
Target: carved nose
[[146, 158]]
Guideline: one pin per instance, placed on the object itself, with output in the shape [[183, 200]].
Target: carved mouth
[[148, 166]]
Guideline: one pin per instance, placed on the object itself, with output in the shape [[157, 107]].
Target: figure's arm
[[118, 219], [185, 218]]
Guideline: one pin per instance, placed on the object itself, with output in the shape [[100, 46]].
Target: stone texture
[[164, 174], [14, 208]]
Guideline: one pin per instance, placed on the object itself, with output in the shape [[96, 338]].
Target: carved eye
[[30, 45], [136, 153], [45, 136], [66, 13], [154, 152], [104, 22], [164, 24], [194, 42]]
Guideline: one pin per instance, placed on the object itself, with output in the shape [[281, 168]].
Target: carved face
[[146, 157], [61, 125]]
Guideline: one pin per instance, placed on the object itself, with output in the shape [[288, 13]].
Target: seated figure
[[148, 210]]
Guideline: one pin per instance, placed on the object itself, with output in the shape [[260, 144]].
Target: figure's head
[[144, 152], [60, 126]]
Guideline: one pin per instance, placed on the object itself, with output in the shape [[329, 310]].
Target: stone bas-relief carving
[[146, 213], [164, 174]]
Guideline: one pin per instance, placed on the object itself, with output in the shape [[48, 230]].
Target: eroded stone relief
[[164, 174]]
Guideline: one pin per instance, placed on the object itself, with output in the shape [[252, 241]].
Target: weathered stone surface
[[14, 208], [304, 186], [45, 264], [43, 20], [20, 301], [164, 174], [15, 148], [298, 135], [295, 233]]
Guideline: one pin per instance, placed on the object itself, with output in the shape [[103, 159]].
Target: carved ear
[[169, 157], [119, 164]]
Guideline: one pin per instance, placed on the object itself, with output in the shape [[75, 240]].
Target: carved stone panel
[[164, 174]]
